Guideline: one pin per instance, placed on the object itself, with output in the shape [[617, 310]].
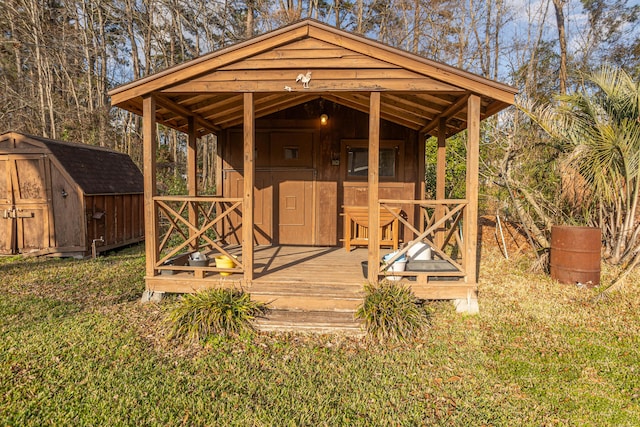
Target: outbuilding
[[321, 133], [66, 199]]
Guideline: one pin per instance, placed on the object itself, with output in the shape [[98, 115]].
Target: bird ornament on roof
[[305, 79]]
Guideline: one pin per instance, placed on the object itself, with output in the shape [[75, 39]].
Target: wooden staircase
[[317, 322], [311, 308]]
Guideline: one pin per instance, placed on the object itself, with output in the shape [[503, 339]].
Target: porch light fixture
[[324, 119]]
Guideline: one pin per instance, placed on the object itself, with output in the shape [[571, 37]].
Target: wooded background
[[59, 58]]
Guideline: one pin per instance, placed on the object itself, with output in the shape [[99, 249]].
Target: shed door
[[7, 223], [25, 211]]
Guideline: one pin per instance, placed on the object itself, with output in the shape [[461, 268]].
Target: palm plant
[[598, 133]]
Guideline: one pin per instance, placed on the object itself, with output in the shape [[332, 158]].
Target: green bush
[[219, 311], [391, 312]]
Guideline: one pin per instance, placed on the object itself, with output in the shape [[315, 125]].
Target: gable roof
[[96, 170], [415, 92]]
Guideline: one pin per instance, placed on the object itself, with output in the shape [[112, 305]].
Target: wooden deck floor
[[299, 269], [307, 288], [321, 265]]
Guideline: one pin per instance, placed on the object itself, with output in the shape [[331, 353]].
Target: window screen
[[358, 160]]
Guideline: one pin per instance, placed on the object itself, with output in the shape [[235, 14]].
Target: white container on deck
[[419, 252], [398, 265]]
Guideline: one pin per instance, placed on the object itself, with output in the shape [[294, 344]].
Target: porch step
[[309, 307], [301, 297], [319, 322]]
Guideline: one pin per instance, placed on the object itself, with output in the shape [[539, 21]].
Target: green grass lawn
[[77, 349]]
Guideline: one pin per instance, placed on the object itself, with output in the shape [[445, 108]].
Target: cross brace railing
[[183, 232], [449, 223]]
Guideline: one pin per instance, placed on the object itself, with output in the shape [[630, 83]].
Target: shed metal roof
[[96, 170]]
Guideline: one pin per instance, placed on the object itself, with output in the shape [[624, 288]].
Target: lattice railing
[[441, 229], [188, 224]]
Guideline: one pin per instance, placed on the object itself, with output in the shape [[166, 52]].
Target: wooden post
[[422, 186], [149, 168], [471, 214], [441, 177], [220, 142], [249, 172], [192, 176], [219, 191], [374, 166]]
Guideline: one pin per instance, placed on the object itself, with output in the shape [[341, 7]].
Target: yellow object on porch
[[224, 261]]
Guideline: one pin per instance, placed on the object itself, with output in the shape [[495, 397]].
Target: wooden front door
[[262, 220], [283, 207], [25, 208], [294, 207]]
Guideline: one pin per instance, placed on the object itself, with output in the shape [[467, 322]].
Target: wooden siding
[[330, 189], [116, 219]]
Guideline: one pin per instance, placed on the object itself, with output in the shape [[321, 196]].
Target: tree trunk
[[562, 39]]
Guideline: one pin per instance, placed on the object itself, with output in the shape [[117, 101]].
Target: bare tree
[[562, 40]]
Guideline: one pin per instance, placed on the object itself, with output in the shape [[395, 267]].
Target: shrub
[[219, 311], [391, 312]]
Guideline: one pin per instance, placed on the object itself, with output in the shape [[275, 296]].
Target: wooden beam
[[355, 61], [374, 179], [450, 111], [274, 105], [264, 109], [221, 140], [267, 84], [150, 189], [493, 108], [286, 72], [192, 176], [358, 102], [441, 177], [471, 214], [203, 103], [167, 103], [409, 102], [249, 172]]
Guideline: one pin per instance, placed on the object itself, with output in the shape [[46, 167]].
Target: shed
[[314, 125], [65, 199]]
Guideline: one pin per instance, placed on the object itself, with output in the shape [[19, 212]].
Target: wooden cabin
[[313, 123], [63, 199]]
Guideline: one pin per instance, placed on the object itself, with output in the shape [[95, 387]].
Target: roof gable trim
[[267, 43]]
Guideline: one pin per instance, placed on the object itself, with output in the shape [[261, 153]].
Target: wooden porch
[[320, 287], [206, 224], [302, 268], [285, 178]]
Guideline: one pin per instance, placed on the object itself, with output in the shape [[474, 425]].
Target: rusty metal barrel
[[575, 254]]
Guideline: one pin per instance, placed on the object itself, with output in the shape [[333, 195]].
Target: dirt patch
[[490, 236]]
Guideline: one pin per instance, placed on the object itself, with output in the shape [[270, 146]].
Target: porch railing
[[440, 225], [196, 223]]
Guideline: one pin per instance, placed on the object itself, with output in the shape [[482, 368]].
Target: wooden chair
[[356, 227]]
